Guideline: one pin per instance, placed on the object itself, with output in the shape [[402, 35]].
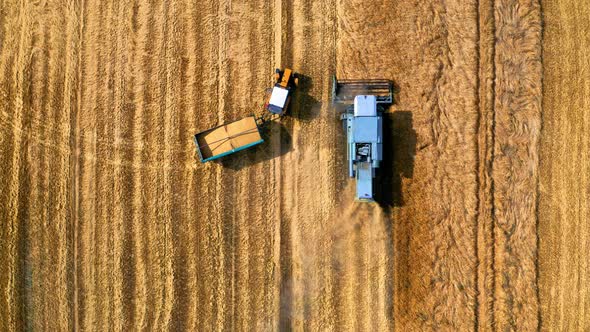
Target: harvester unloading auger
[[363, 121], [244, 133]]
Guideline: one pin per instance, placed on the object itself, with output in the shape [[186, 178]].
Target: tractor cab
[[285, 83]]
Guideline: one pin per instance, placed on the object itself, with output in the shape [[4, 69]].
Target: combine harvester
[[244, 133], [365, 102]]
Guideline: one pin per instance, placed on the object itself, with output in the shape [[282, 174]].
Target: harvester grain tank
[[239, 135], [365, 101]]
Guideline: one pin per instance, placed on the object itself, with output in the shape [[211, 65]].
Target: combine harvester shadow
[[399, 141]]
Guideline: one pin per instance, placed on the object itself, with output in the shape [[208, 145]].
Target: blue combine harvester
[[363, 121]]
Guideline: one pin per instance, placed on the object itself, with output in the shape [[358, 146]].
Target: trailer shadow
[[277, 142], [399, 150]]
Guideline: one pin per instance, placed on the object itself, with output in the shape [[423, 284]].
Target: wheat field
[[110, 222]]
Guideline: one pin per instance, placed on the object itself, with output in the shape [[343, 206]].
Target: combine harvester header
[[363, 122]]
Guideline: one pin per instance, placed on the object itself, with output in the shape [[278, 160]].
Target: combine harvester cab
[[363, 122], [238, 135]]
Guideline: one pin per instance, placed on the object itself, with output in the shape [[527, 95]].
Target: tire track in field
[[105, 181], [91, 69], [115, 281], [175, 202], [198, 86], [37, 162], [283, 48], [154, 213], [212, 287], [140, 27], [15, 69], [169, 118], [183, 228], [75, 165], [206, 206], [135, 287], [153, 183], [70, 165], [115, 180], [104, 172], [485, 220], [306, 293], [46, 234], [222, 313], [274, 314], [127, 123], [564, 238], [57, 202], [121, 12]]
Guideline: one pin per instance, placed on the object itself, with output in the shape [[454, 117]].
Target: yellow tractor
[[286, 81]]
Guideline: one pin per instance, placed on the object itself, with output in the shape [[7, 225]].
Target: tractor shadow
[[304, 107], [277, 142], [399, 150]]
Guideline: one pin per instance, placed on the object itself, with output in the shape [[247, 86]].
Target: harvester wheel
[[296, 81], [277, 77]]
